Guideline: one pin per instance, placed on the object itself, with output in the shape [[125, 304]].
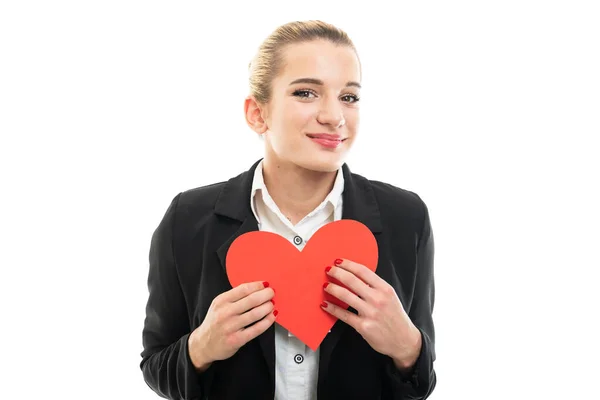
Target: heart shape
[[298, 276]]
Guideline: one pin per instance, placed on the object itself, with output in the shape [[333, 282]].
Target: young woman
[[204, 339]]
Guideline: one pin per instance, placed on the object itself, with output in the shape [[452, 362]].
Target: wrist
[[196, 352], [407, 359]]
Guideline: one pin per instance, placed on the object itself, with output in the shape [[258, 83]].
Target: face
[[313, 116]]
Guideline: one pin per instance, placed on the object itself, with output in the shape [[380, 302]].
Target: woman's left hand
[[381, 318]]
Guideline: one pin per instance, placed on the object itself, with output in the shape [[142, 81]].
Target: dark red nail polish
[[327, 269], [273, 301], [325, 285], [275, 312], [266, 284], [337, 262], [324, 304]]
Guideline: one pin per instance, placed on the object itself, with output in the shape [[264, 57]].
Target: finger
[[344, 315], [351, 281], [347, 297], [251, 301], [363, 273], [243, 290], [251, 316], [258, 328]]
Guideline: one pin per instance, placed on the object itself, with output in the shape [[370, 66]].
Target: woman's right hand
[[226, 326]]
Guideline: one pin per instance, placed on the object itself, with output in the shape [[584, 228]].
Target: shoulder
[[193, 204], [200, 199], [394, 199], [397, 205], [191, 209]]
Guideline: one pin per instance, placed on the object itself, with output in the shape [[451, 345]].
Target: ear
[[253, 111]]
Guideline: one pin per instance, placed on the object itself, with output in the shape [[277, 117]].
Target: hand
[[226, 326], [381, 319]]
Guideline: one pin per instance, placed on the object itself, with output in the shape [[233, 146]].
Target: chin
[[322, 165]]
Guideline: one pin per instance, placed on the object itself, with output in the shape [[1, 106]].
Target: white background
[[488, 110]]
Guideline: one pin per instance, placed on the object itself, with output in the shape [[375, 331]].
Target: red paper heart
[[298, 277]]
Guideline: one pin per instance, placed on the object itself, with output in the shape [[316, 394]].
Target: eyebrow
[[320, 82]]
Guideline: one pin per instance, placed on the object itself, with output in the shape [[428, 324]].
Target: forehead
[[322, 60]]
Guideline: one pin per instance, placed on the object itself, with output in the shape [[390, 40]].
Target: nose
[[331, 113]]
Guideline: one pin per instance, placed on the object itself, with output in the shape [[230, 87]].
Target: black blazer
[[187, 271]]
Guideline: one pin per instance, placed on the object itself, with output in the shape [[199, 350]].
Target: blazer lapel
[[234, 203], [360, 205]]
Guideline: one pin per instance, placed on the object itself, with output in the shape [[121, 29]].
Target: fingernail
[[337, 262], [273, 301], [325, 285], [266, 284], [275, 312], [324, 304], [327, 269]]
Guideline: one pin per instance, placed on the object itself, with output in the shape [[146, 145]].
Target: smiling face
[[312, 117]]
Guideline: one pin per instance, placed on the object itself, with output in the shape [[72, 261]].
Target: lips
[[325, 142], [325, 136]]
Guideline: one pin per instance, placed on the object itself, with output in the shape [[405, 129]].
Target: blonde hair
[[268, 61]]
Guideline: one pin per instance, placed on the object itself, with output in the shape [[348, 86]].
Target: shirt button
[[297, 240], [298, 358]]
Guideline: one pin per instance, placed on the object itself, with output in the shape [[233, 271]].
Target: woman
[[204, 339]]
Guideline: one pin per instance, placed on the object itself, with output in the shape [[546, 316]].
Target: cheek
[[300, 115], [291, 122], [352, 120], [292, 117]]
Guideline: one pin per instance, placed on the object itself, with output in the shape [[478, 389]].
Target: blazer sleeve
[[419, 383], [166, 364]]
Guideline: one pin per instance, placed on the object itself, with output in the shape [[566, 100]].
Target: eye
[[303, 93], [351, 96]]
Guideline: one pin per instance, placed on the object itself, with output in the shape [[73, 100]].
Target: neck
[[296, 190]]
